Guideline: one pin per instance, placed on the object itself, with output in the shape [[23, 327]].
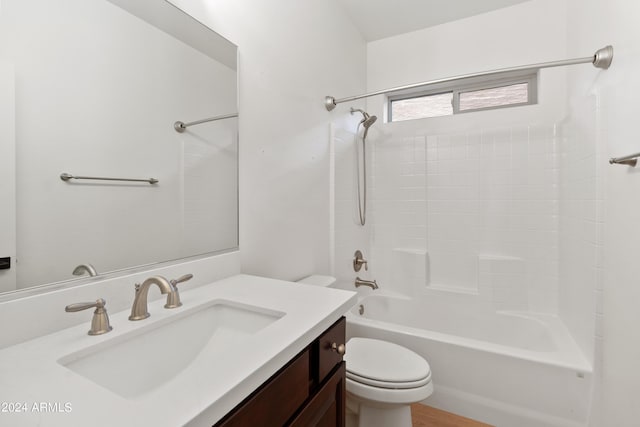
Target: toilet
[[383, 378]]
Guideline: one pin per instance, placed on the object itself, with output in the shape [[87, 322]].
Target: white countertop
[[48, 394]]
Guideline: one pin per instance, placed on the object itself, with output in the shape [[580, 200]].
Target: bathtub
[[510, 369]]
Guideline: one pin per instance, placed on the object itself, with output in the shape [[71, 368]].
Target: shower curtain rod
[[181, 126], [601, 59]]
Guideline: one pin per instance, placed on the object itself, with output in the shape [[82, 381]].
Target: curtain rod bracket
[[603, 57], [329, 103]]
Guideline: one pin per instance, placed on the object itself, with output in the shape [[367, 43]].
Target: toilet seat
[[388, 384], [383, 364]]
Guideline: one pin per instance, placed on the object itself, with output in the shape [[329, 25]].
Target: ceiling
[[378, 19]]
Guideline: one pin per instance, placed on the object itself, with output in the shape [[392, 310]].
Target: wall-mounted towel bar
[[181, 126], [630, 160], [67, 177]]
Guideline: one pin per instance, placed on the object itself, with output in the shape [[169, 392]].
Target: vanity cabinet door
[[329, 357], [274, 402], [327, 407]]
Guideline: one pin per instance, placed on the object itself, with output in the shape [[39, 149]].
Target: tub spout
[[371, 283]]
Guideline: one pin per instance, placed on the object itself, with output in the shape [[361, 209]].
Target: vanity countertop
[[37, 390]]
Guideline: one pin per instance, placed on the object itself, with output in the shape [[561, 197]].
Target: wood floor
[[426, 416]]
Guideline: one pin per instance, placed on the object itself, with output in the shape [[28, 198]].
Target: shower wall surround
[[582, 167], [481, 207]]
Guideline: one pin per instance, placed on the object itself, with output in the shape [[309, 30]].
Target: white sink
[[142, 360]]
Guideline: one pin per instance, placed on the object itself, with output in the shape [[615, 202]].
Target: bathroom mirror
[[92, 88]]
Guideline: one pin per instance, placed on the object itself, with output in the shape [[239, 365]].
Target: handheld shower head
[[367, 120]]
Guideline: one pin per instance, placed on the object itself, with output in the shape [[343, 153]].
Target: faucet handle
[[100, 322], [181, 279], [359, 261], [173, 299]]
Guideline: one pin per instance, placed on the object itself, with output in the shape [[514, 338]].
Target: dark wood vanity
[[308, 391]]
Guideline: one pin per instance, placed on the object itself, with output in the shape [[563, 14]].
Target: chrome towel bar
[[67, 177], [181, 126], [630, 160]]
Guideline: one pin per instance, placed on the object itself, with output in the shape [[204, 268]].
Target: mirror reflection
[[92, 89]]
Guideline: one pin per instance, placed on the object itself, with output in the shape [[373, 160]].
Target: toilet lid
[[384, 362]]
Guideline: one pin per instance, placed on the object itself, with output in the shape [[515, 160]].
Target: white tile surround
[[508, 217], [482, 205]]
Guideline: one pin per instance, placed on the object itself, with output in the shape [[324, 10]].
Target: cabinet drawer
[[277, 399], [329, 358]]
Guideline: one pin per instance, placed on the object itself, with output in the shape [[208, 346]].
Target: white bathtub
[[509, 369]]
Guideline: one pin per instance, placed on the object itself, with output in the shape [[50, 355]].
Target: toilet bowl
[[383, 378]]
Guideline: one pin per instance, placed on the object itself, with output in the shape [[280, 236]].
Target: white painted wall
[[291, 55], [7, 176], [108, 121], [610, 124]]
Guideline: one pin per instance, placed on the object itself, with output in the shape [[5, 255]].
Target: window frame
[[470, 84]]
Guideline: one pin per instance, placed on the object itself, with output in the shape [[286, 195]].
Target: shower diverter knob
[[359, 261]]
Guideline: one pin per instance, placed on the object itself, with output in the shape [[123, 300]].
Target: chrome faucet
[[139, 309], [371, 283], [85, 268]]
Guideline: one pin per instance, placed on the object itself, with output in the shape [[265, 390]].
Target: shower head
[[367, 120]]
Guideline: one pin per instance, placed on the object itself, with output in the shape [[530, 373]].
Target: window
[[465, 95]]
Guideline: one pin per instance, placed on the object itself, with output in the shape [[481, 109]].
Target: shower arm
[[601, 59]]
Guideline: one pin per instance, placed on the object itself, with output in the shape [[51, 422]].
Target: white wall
[[610, 124], [97, 93], [291, 55], [7, 176]]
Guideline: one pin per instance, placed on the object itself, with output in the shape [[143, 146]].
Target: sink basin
[[142, 360]]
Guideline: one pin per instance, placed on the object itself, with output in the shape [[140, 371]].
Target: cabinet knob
[[340, 349]]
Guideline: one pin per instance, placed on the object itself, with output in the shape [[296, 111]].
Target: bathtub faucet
[[371, 283]]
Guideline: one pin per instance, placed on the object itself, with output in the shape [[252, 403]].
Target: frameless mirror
[[92, 89]]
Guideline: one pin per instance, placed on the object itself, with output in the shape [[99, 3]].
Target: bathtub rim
[[568, 355]]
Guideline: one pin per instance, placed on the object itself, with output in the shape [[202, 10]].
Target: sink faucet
[[371, 283], [139, 309]]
